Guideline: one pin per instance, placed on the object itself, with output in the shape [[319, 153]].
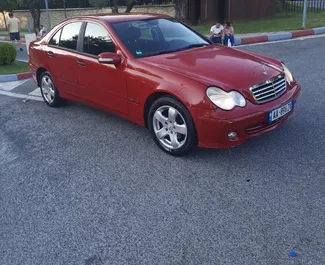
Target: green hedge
[[8, 53]]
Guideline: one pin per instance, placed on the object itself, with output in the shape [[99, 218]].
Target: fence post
[[304, 15], [28, 26]]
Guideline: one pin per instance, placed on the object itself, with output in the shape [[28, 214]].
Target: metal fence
[[147, 2], [297, 5]]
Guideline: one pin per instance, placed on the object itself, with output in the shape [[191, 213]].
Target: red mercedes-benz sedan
[[157, 72]]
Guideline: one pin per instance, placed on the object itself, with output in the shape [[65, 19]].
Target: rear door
[[102, 84], [62, 53]]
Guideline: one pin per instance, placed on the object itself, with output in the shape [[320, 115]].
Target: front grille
[[262, 127], [269, 90]]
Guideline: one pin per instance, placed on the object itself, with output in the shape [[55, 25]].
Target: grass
[[14, 68], [282, 22]]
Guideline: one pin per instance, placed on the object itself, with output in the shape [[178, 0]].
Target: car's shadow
[[274, 148]]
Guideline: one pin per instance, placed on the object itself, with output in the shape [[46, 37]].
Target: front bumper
[[213, 126]]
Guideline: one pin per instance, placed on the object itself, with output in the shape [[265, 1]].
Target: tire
[[49, 91], [171, 126]]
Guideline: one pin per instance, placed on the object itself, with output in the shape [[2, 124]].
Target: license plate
[[280, 112]]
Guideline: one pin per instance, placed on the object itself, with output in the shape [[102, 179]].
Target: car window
[[146, 34], [176, 31], [96, 40], [70, 35], [55, 39], [156, 36]]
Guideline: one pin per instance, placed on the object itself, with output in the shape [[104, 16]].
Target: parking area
[[80, 186]]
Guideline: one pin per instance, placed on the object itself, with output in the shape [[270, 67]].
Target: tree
[[180, 7], [35, 10], [99, 3], [7, 5], [129, 5], [114, 4]]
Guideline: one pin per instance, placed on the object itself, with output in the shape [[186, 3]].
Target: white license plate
[[280, 112]]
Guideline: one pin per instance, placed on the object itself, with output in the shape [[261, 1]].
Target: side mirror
[[109, 58]]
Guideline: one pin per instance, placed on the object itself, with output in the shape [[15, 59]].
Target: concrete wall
[[56, 15]]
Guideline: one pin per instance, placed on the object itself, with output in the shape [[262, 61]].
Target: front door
[[102, 84], [62, 63]]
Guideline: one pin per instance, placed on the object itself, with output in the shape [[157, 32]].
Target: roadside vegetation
[[281, 22], [8, 63]]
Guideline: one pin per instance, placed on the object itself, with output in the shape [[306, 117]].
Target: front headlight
[[287, 73], [225, 100]]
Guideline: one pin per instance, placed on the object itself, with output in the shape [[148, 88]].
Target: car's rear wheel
[[49, 91], [172, 126]]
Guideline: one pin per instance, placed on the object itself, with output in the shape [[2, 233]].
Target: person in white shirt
[[217, 33], [13, 27]]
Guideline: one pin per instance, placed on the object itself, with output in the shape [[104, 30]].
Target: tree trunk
[[4, 19], [114, 6], [130, 4], [283, 2], [35, 10], [180, 9]]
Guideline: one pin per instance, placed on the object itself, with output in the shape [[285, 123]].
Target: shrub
[[8, 53]]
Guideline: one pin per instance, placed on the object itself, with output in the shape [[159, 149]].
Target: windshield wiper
[[193, 46], [183, 48]]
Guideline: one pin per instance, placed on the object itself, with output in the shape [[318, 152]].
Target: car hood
[[220, 66]]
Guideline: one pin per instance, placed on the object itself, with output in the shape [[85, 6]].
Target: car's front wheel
[[172, 126], [49, 91]]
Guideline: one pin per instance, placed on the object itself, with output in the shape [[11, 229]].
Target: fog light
[[232, 135]]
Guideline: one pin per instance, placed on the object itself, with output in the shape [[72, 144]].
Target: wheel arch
[[39, 72], [152, 98]]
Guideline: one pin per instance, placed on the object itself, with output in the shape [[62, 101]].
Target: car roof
[[113, 17]]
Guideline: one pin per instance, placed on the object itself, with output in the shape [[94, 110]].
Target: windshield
[[156, 36]]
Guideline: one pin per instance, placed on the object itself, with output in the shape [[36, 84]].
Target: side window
[[69, 36], [55, 39], [97, 40]]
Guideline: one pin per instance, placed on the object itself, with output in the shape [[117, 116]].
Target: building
[[210, 11]]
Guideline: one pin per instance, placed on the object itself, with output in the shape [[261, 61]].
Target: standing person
[[217, 33], [13, 26], [229, 34]]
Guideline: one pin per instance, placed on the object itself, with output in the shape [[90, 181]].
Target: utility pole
[[304, 15], [47, 14], [65, 9]]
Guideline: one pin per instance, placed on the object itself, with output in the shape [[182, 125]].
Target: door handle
[[82, 63], [51, 54]]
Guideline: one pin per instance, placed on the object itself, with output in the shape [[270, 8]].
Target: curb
[[15, 77], [279, 36]]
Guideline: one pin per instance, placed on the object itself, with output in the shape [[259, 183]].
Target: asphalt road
[[79, 186]]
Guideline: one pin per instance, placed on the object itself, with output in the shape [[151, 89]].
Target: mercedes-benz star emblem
[[264, 69]]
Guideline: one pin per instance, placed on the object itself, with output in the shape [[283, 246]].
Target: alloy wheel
[[170, 127], [47, 87]]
